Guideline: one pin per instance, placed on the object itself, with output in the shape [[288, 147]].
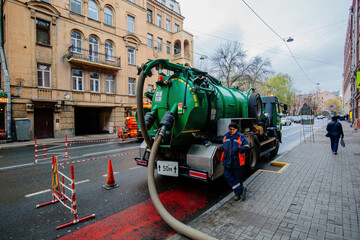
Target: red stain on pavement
[[142, 221]]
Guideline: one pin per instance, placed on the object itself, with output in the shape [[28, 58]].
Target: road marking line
[[17, 166], [134, 167], [106, 152], [113, 173], [37, 193], [83, 181]]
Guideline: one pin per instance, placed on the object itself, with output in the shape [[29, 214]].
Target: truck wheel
[[253, 159], [274, 152], [255, 106]]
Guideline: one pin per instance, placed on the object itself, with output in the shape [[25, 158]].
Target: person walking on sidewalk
[[233, 151], [335, 130]]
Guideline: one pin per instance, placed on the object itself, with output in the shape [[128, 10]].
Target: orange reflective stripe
[[223, 154], [241, 156]]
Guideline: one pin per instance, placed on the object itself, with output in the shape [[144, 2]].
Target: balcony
[[92, 58]]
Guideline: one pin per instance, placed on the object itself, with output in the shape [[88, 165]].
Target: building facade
[[72, 64], [351, 91]]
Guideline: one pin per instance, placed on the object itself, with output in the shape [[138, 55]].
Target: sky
[[318, 28]]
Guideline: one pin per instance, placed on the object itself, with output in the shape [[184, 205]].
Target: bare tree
[[258, 71], [229, 63]]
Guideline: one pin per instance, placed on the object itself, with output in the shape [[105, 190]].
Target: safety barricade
[[62, 196], [45, 151]]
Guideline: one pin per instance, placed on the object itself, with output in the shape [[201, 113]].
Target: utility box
[[22, 126]]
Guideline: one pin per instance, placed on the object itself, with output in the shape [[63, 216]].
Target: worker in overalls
[[233, 151]]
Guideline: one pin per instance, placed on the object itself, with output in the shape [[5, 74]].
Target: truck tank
[[198, 100]]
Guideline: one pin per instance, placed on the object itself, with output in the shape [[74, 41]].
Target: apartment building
[[351, 91], [73, 63]]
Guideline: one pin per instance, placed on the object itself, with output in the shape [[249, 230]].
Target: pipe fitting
[[168, 120]]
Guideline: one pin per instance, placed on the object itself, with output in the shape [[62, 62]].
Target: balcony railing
[[94, 58]]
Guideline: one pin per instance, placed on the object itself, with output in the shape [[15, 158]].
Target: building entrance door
[[44, 122]]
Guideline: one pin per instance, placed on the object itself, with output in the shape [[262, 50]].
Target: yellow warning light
[[271, 94]]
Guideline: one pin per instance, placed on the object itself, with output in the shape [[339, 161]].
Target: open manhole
[[276, 167]]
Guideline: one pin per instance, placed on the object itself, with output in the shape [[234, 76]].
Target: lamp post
[[288, 39]]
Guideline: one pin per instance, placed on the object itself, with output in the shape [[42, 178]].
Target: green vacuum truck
[[192, 110]]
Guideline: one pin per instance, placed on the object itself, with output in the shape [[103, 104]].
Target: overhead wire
[[282, 39]]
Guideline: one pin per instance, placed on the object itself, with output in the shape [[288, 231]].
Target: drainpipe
[[6, 75]]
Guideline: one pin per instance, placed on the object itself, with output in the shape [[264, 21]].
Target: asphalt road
[[24, 185]]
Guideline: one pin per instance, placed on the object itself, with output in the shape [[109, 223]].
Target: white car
[[285, 121]]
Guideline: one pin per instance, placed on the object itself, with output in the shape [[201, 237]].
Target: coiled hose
[[174, 223]]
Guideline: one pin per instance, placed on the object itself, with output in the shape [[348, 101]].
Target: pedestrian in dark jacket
[[335, 131], [233, 150]]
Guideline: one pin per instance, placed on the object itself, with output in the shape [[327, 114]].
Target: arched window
[[108, 16], [93, 10], [109, 51], [75, 42], [177, 47], [93, 49]]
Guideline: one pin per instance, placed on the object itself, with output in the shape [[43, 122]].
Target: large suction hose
[[140, 112], [174, 223]]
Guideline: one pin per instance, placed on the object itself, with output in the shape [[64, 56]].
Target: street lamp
[[289, 39]]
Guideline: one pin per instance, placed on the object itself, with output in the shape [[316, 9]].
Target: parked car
[[297, 119], [285, 121]]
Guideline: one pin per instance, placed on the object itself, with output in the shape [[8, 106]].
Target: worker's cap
[[233, 125]]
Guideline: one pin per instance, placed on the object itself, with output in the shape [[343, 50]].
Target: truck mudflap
[[183, 171]]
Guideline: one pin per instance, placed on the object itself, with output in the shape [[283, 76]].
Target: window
[[76, 6], [132, 86], [76, 42], [43, 73], [150, 40], [94, 82], [149, 16], [150, 88], [42, 32], [108, 16], [93, 10], [130, 24], [110, 83], [77, 78], [177, 48], [159, 44], [177, 27], [168, 48], [109, 51], [93, 49], [168, 24], [131, 55], [158, 20]]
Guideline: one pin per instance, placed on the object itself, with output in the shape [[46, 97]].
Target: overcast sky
[[317, 26]]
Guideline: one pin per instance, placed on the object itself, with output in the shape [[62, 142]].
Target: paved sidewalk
[[316, 197], [48, 141]]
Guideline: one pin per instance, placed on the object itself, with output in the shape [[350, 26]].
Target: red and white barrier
[[94, 141], [66, 148], [92, 159], [58, 196], [36, 159]]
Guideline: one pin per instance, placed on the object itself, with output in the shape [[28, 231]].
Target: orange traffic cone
[[110, 180]]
